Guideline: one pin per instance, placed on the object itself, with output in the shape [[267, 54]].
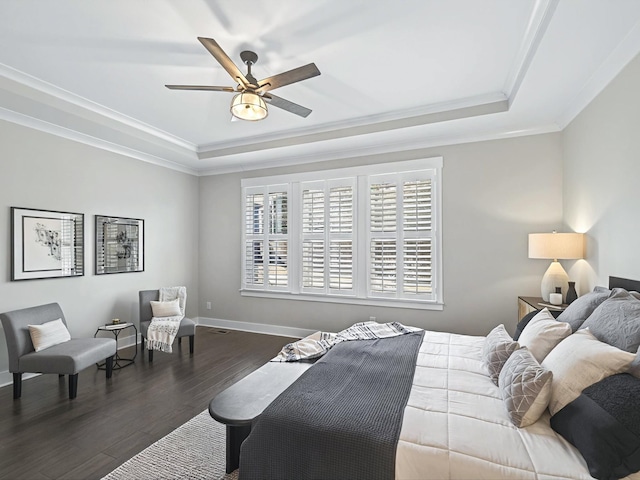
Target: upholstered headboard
[[629, 285]]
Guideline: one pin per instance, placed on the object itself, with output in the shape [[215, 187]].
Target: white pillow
[[579, 361], [542, 334], [48, 334], [166, 309]]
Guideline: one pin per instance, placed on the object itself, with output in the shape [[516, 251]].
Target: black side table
[[118, 361]]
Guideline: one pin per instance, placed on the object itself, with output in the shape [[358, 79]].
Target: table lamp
[[555, 246]]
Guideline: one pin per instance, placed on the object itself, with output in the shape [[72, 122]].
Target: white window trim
[[361, 248]]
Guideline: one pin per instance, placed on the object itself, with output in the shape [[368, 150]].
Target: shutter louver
[[341, 265], [383, 266], [383, 207], [312, 211], [313, 264], [417, 267], [341, 210], [254, 267], [278, 214], [417, 205], [254, 214], [278, 275]]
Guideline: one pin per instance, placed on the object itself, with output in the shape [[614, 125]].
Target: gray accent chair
[[187, 326], [67, 358]]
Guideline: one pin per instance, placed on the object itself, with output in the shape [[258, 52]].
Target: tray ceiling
[[395, 75]]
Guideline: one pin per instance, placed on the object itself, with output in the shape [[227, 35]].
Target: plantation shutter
[[341, 236], [254, 238], [400, 235], [313, 241], [265, 256], [417, 242], [367, 235], [327, 236]]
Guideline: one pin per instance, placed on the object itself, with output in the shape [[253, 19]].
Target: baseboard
[[279, 330], [6, 377]]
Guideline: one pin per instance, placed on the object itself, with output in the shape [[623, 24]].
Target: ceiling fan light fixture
[[248, 106]]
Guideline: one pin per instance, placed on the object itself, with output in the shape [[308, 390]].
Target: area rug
[[193, 451]]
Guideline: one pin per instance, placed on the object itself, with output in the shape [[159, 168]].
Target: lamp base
[[555, 276]]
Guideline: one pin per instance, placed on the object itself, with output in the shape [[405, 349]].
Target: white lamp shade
[[555, 246], [248, 106]]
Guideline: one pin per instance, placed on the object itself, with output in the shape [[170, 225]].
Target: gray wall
[[42, 171], [602, 181], [495, 193]]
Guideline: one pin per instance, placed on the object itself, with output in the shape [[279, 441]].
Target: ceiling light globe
[[248, 106]]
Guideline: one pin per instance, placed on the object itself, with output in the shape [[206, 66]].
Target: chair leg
[[179, 340], [108, 366], [150, 356], [142, 344], [192, 339], [73, 386], [17, 385]]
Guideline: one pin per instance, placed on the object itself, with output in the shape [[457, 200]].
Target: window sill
[[377, 302]]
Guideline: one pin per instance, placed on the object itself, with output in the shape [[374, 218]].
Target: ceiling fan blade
[[224, 60], [287, 78], [201, 87], [286, 105]]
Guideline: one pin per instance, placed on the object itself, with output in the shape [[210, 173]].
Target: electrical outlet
[[372, 319], [208, 305]]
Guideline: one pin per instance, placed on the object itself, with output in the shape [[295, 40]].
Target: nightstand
[[529, 304]]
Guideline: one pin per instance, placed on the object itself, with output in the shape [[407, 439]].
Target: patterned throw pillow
[[525, 387], [576, 313], [616, 321], [497, 348]]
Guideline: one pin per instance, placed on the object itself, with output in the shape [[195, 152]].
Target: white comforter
[[456, 426]]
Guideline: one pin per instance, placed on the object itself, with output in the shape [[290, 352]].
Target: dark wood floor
[[44, 435]]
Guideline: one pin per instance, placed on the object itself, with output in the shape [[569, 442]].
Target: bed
[[454, 422]]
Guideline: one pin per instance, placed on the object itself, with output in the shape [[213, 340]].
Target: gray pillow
[[617, 320], [578, 311], [498, 347], [525, 387]]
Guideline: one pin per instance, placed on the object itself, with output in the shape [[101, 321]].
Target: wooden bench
[[240, 404]]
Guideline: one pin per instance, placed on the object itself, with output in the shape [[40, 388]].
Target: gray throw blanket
[[341, 419]]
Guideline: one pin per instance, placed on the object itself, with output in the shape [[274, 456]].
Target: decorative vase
[[571, 293]]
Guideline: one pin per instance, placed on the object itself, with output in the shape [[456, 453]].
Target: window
[[359, 235], [266, 238]]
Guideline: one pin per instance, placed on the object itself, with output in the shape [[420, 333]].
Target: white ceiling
[[396, 74]]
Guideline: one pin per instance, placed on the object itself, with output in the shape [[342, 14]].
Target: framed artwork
[[46, 244], [119, 245]]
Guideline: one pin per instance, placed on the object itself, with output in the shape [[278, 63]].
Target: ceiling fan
[[249, 102]]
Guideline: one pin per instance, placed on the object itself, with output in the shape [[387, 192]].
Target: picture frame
[[119, 245], [46, 244]]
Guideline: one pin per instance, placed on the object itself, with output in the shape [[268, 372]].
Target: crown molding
[[57, 130], [464, 108], [47, 88], [608, 70], [540, 18], [379, 149]]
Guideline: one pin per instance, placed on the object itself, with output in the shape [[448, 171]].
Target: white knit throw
[[163, 330]]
